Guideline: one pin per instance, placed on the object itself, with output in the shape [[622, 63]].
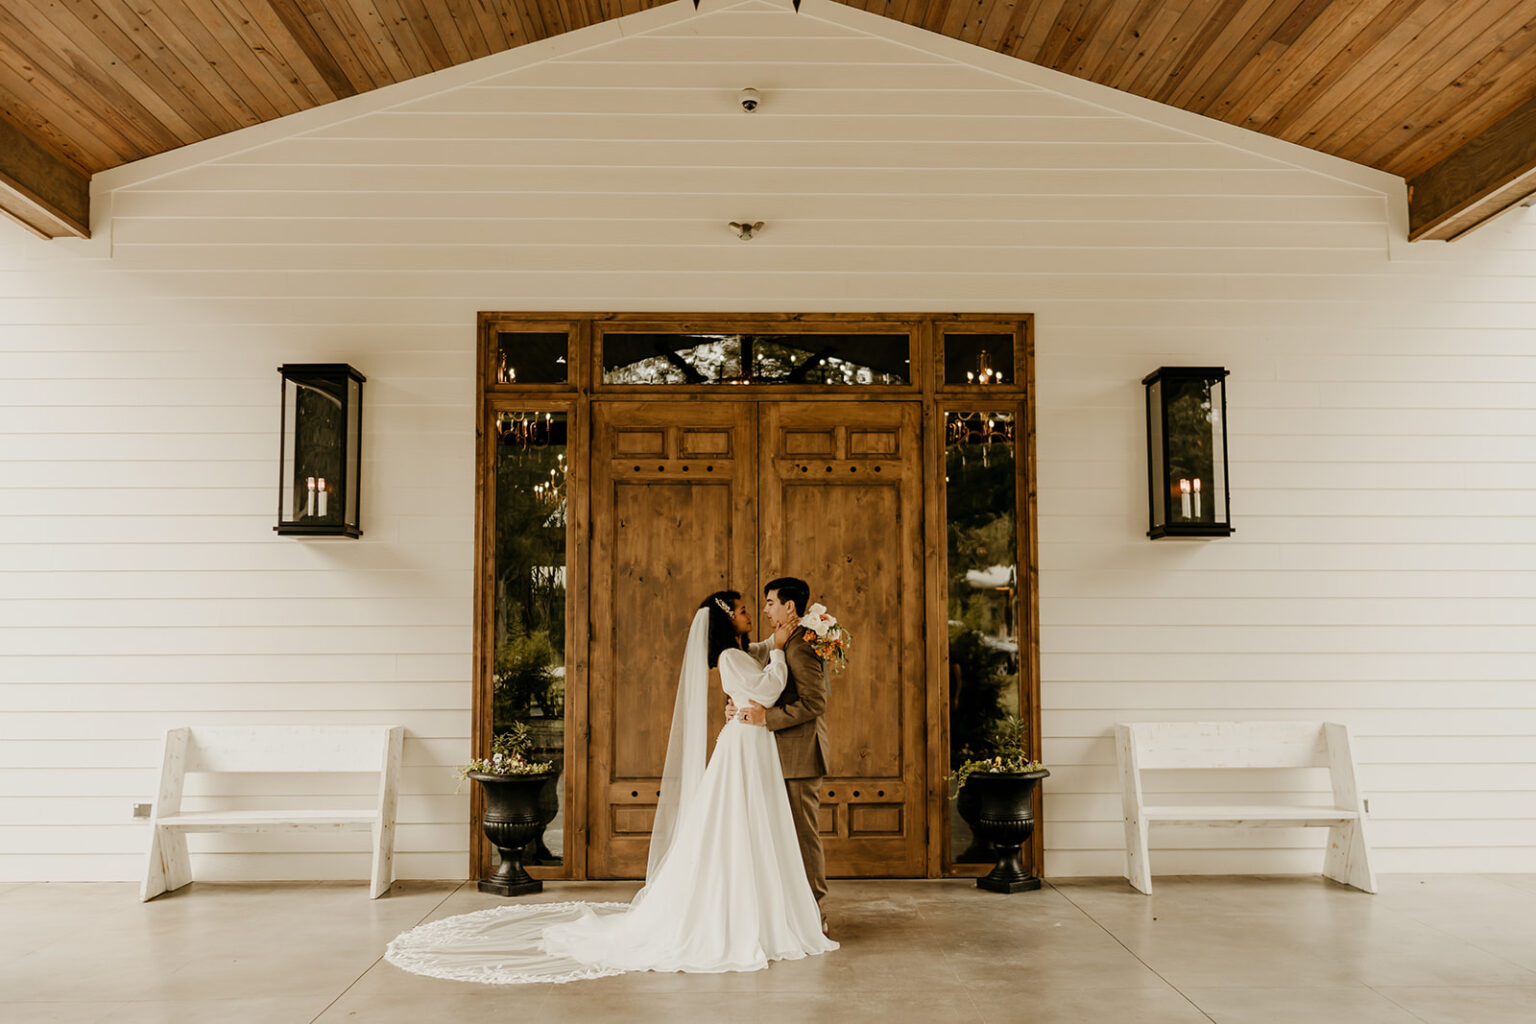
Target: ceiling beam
[[40, 191], [1482, 179]]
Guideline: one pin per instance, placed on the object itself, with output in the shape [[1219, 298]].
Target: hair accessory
[[720, 603]]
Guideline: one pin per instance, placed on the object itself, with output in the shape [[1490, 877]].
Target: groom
[[798, 724]]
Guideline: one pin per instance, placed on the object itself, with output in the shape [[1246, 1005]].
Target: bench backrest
[[287, 748], [1177, 745]]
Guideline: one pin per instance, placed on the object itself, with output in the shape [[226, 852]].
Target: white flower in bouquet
[[817, 620], [829, 640]]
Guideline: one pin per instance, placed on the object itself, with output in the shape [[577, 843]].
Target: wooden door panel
[[672, 520], [848, 567], [671, 546], [840, 495]]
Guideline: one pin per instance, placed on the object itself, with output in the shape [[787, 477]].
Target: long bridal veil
[[686, 745], [506, 945]]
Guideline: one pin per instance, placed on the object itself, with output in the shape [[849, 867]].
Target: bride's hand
[[783, 633], [730, 709]]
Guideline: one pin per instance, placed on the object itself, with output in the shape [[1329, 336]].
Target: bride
[[725, 889]]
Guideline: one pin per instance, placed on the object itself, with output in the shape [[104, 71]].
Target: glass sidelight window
[[529, 581], [980, 505]]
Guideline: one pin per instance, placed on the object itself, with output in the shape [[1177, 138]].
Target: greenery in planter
[[1008, 753], [508, 756]]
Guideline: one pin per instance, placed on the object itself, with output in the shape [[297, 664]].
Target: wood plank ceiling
[[1440, 92]]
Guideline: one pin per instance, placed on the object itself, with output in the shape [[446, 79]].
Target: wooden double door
[[690, 497]]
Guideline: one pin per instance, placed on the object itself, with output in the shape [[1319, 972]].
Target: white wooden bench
[[305, 748], [1154, 746]]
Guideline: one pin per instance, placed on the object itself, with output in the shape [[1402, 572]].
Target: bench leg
[[1348, 860], [169, 867], [1138, 867], [384, 827], [1138, 863], [154, 868], [383, 859]]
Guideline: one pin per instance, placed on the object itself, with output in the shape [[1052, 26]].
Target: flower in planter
[[1009, 757], [508, 756]]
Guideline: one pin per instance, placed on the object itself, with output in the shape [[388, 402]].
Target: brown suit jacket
[[798, 719]]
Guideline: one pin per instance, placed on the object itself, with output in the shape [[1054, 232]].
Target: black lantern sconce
[[321, 458], [1187, 478]]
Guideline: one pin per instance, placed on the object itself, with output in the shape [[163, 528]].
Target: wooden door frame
[[584, 385]]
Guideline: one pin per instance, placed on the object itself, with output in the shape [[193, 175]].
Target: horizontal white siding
[[1382, 411]]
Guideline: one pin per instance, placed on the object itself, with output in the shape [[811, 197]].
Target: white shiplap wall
[[1382, 416]]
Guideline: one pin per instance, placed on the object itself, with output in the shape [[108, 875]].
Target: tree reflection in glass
[[844, 359], [528, 661], [980, 496]]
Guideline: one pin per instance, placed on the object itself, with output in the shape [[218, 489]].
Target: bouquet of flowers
[[829, 640]]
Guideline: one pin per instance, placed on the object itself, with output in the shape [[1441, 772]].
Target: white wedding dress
[[725, 887]]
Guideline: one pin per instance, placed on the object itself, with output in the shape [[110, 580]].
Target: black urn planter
[[549, 807], [1005, 819], [968, 806], [513, 818]]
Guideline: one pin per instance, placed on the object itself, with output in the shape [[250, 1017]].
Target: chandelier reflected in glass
[[967, 428], [977, 432], [525, 429], [533, 431], [551, 493], [984, 373]]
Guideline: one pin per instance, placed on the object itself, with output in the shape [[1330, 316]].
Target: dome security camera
[[749, 99]]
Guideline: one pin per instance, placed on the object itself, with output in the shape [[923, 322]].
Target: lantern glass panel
[[1155, 447], [532, 357], [978, 358], [980, 506], [1195, 486], [529, 657], [313, 450], [354, 447]]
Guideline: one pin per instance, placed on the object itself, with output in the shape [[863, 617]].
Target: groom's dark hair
[[791, 591]]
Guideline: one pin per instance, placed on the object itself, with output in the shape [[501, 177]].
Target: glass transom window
[[837, 359]]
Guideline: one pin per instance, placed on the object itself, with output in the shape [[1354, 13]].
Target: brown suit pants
[[805, 808]]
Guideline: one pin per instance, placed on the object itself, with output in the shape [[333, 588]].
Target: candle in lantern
[[1184, 497], [320, 489], [309, 505], [1197, 497]]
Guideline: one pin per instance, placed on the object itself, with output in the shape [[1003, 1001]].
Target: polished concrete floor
[[1235, 950]]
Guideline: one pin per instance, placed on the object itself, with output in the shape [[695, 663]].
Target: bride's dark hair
[[722, 625]]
